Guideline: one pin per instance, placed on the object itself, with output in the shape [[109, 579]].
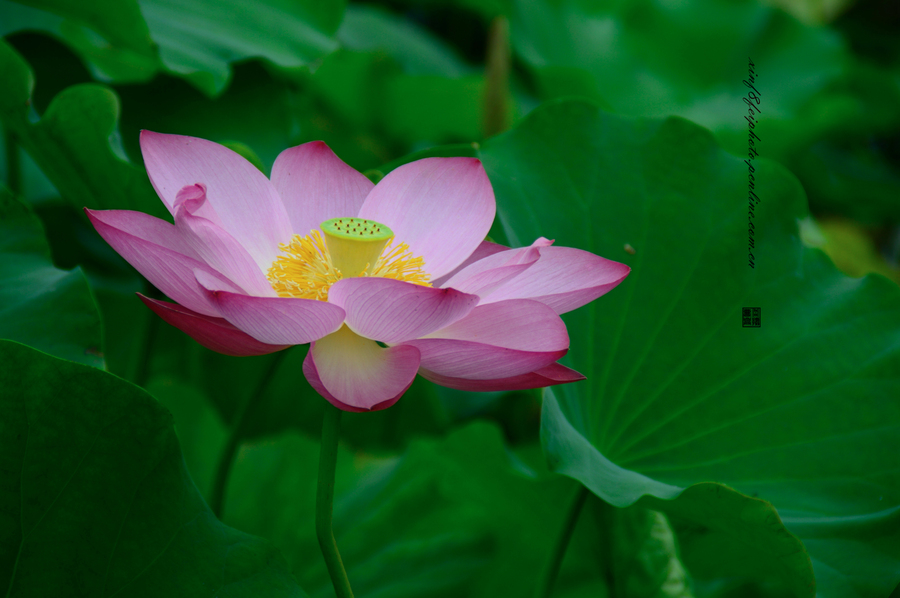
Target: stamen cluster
[[306, 271]]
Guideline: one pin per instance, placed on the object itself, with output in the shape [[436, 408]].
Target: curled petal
[[392, 311], [215, 246], [498, 340], [315, 185], [143, 226], [274, 320], [563, 278], [355, 374], [549, 375], [191, 198], [213, 333], [240, 198], [167, 268], [490, 273], [441, 207], [484, 249]]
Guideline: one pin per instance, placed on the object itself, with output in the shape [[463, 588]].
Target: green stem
[[226, 458], [138, 368], [496, 93], [551, 569], [331, 429]]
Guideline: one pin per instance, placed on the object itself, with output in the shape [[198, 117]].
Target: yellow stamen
[[308, 268], [306, 272], [398, 263]]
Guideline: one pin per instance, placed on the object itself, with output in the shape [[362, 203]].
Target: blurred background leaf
[[198, 39], [110, 35], [130, 40]]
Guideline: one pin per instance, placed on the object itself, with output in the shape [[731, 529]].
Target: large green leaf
[[119, 21], [110, 35], [72, 141], [95, 499], [801, 412], [200, 430], [198, 39], [40, 305], [654, 59]]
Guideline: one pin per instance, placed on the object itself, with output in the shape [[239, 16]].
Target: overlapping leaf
[[110, 35], [130, 40], [265, 123], [95, 499], [71, 142], [199, 39], [447, 518], [801, 412], [821, 107], [41, 305], [654, 59]]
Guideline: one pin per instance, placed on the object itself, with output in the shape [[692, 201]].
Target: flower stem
[[226, 458], [551, 569], [138, 366], [331, 429], [496, 94]]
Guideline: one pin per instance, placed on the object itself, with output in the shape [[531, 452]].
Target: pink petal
[[497, 340], [144, 226], [441, 207], [550, 375], [478, 361], [215, 246], [275, 320], [392, 311], [355, 374], [137, 239], [563, 278], [315, 185], [213, 333], [484, 249], [490, 273], [312, 376], [241, 198]]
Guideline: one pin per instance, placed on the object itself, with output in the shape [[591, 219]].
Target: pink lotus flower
[[320, 255]]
